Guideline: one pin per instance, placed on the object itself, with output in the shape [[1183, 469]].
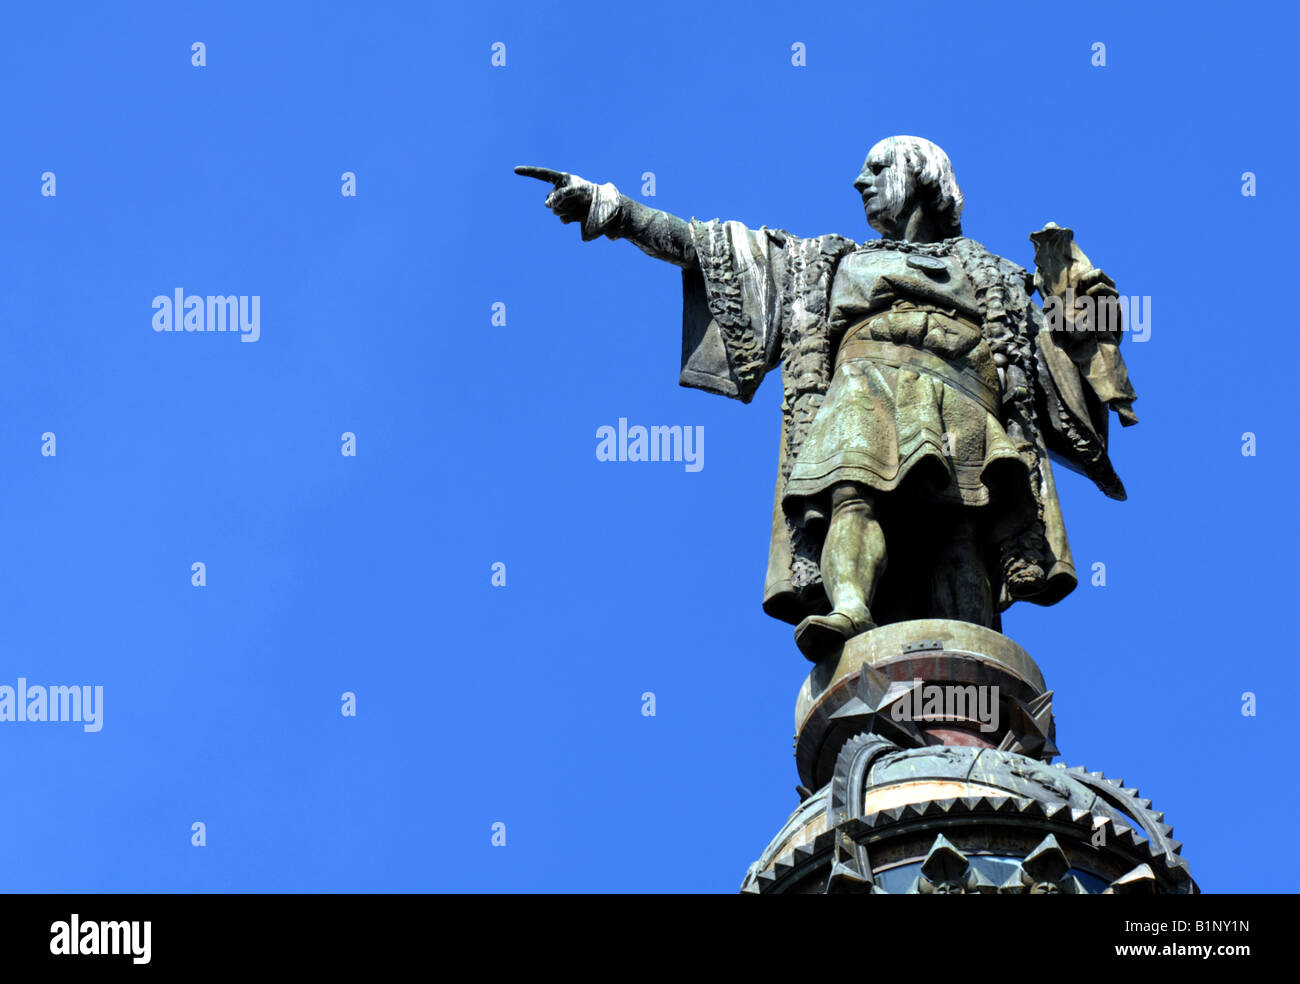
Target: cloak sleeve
[[731, 312]]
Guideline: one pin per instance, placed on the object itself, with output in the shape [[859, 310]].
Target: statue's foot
[[818, 635]]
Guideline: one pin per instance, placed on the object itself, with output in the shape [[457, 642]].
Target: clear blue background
[[476, 443]]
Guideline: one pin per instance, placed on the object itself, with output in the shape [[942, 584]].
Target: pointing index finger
[[557, 178]]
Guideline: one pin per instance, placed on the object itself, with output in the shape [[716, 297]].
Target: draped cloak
[[761, 298]]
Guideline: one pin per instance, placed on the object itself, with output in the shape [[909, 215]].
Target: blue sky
[[476, 442]]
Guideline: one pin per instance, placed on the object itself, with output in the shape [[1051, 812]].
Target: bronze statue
[[924, 392]]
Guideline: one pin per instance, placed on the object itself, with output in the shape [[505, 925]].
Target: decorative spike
[[1047, 862], [872, 686], [866, 714], [1014, 884], [1036, 706], [853, 707], [845, 879], [1140, 881], [944, 863]]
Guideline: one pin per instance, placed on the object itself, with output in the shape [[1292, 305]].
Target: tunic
[[914, 389]]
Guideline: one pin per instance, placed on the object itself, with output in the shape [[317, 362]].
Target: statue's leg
[[853, 558], [960, 587]]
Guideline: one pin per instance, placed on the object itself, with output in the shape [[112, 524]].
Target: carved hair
[[933, 173]]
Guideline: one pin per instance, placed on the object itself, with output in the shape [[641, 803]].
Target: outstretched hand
[[571, 197]]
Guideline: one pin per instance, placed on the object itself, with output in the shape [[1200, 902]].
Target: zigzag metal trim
[[1123, 840], [1129, 800]]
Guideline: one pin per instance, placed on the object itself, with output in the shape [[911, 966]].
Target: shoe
[[819, 635]]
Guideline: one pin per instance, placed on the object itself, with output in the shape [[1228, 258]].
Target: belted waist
[[906, 317], [858, 344]]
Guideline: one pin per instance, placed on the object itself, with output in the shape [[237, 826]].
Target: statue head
[[902, 173]]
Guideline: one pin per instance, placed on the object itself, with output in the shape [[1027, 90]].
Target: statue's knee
[[851, 495], [815, 517]]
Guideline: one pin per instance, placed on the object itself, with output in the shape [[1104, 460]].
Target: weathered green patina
[[924, 393]]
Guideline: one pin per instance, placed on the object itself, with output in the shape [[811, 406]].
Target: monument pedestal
[[928, 744]]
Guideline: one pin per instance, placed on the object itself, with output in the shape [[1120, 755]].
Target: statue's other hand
[[1095, 283], [571, 197]]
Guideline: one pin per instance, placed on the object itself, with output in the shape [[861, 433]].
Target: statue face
[[887, 186]]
